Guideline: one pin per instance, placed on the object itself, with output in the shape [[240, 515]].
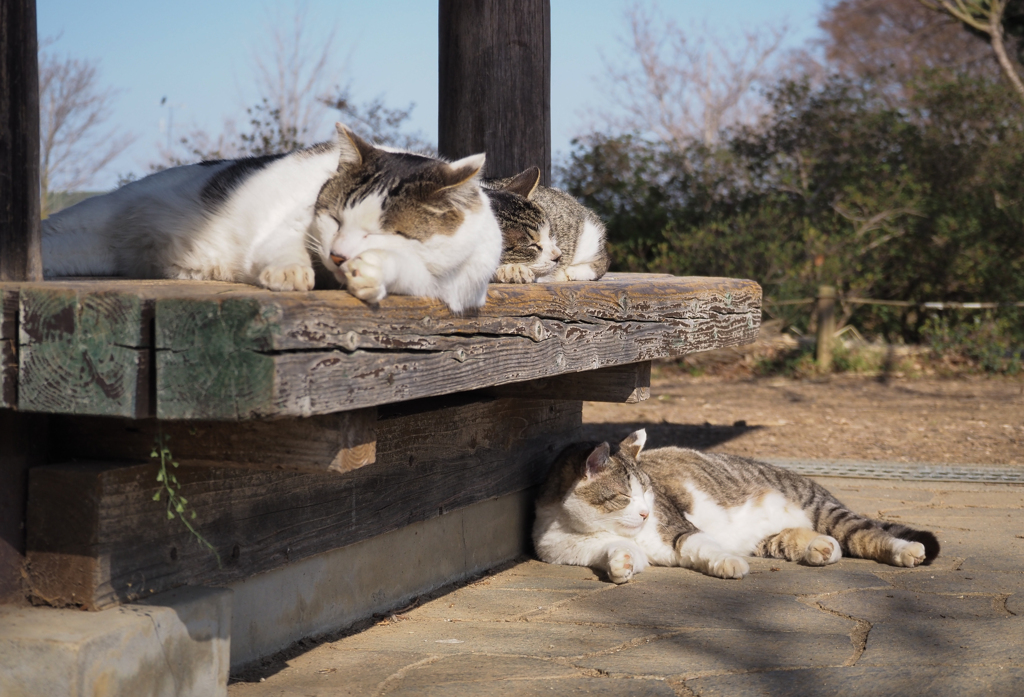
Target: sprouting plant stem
[[176, 503]]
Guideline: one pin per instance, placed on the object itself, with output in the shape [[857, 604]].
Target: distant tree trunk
[[20, 258], [984, 16], [494, 86]]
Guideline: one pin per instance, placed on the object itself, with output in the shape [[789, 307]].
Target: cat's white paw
[[514, 273], [823, 550], [908, 554], [559, 276], [729, 566], [291, 277], [364, 277], [621, 565]]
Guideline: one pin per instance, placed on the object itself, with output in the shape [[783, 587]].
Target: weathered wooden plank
[[328, 443], [305, 383], [630, 383], [494, 83], [229, 351], [8, 348], [84, 352], [96, 537], [20, 258]]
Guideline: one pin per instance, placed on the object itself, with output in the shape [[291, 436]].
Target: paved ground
[[856, 628]]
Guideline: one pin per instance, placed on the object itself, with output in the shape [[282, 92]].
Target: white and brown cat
[[379, 220], [621, 509]]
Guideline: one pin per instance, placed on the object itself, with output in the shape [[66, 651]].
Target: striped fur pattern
[[577, 233], [374, 220], [624, 508], [528, 250]]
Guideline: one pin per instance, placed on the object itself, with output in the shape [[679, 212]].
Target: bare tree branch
[[295, 76], [985, 16], [681, 88], [72, 109]]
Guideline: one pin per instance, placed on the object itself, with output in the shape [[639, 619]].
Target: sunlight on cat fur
[[380, 220], [599, 508]]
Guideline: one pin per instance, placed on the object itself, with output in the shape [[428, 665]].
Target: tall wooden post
[[20, 258], [826, 309], [22, 436], [494, 86]]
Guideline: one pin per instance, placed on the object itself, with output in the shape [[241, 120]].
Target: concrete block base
[[174, 644], [333, 590], [181, 643]]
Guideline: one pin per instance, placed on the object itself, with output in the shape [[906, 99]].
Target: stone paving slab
[[955, 627], [866, 681]]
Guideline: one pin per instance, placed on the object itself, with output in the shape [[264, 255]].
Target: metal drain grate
[[864, 469]]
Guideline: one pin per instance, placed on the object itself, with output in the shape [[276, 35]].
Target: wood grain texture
[[238, 357], [8, 348], [96, 537], [233, 352], [494, 83], [84, 352], [20, 257], [628, 384], [337, 443]]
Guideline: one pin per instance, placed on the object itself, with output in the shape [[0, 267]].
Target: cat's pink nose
[[556, 254], [338, 259], [644, 514]]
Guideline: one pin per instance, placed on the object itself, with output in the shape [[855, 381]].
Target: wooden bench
[[278, 405]]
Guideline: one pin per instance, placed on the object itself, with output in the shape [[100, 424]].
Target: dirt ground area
[[969, 420]]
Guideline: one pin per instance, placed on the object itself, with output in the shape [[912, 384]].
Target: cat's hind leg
[[701, 552], [801, 545]]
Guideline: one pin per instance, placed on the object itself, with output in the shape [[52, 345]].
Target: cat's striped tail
[[867, 538]]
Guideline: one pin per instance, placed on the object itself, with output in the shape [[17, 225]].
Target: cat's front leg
[[366, 276], [288, 277], [624, 561], [514, 273], [700, 552]]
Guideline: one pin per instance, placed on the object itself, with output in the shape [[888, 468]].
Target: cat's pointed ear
[[525, 183], [597, 460], [354, 150], [462, 172], [634, 443]]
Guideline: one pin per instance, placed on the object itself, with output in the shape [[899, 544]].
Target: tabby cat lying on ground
[[547, 234], [620, 511], [377, 220]]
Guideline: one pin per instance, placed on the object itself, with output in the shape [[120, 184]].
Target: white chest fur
[[738, 529]]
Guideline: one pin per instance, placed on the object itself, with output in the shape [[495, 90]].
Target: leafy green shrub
[[992, 344], [912, 199]]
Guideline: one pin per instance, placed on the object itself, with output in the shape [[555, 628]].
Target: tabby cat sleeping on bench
[[377, 221], [547, 235], [622, 510]]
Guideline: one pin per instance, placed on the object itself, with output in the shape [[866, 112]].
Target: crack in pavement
[[859, 635]]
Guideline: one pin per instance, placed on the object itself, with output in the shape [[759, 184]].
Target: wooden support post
[[20, 258], [494, 86], [826, 310]]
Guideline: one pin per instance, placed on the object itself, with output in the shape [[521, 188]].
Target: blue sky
[[198, 55]]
